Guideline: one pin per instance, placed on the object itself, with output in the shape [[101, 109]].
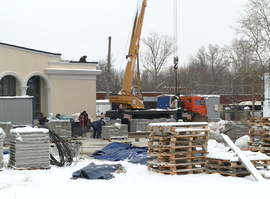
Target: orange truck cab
[[194, 104]]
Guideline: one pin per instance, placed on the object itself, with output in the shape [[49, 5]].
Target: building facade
[[57, 86]]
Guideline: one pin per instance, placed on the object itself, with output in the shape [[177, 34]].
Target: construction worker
[[84, 122], [42, 119], [97, 127]]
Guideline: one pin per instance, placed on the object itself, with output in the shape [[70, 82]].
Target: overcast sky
[[81, 27]]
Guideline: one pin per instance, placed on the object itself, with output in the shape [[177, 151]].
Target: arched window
[[34, 90], [8, 86]]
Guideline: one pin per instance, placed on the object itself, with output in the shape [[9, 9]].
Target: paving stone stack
[[61, 128], [141, 125], [177, 147], [232, 166], [29, 148], [112, 122], [115, 131], [6, 126], [259, 134], [1, 150]]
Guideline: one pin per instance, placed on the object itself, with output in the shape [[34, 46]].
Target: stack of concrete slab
[[29, 148], [115, 131], [112, 122], [1, 149], [6, 126], [141, 125], [61, 128]]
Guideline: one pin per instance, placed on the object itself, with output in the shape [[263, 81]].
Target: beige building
[[58, 86]]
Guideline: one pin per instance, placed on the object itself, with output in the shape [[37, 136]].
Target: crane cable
[[175, 36], [129, 35]]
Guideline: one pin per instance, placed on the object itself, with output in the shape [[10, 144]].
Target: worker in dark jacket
[[42, 119], [97, 127], [84, 122]]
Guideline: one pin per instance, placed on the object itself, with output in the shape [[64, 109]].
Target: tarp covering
[[93, 171], [117, 151]]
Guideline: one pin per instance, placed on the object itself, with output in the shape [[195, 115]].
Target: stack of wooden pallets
[[259, 134], [234, 167], [177, 147]]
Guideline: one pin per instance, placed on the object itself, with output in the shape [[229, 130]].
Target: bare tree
[[206, 72], [115, 80], [159, 49], [254, 27]]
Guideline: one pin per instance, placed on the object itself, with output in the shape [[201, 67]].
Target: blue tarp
[[93, 171], [118, 151]]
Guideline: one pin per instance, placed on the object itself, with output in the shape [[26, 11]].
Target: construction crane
[[130, 97]]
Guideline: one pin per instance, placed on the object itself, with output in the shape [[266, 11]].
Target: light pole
[[234, 110]]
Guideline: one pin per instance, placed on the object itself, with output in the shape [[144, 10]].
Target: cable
[[65, 151]]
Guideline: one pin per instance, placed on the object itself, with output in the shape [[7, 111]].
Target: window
[[199, 102], [8, 86], [34, 90]]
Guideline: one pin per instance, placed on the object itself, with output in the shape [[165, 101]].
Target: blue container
[[164, 101]]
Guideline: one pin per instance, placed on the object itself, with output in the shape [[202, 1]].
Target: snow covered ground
[[137, 182]]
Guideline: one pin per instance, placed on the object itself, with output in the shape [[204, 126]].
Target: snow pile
[[242, 142], [215, 131], [217, 150]]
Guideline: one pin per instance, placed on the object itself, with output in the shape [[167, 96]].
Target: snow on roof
[[249, 103], [16, 97], [105, 101]]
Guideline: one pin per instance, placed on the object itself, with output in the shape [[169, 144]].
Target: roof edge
[[29, 49]]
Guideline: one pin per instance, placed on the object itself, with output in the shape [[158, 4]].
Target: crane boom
[[126, 98]]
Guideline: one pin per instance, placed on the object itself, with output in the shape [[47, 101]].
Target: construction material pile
[[6, 126], [259, 134], [141, 125], [115, 131], [61, 128], [224, 161], [1, 149], [29, 148], [177, 147]]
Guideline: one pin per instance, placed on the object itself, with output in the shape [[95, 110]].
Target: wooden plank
[[249, 166]]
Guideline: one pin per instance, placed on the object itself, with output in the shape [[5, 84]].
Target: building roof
[[29, 49]]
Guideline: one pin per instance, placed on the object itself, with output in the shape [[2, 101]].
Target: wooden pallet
[[168, 161], [259, 119], [264, 150], [182, 154], [186, 142], [188, 168], [253, 149], [176, 149], [178, 137], [224, 173]]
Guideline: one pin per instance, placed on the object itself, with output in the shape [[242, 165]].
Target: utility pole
[[108, 70]]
